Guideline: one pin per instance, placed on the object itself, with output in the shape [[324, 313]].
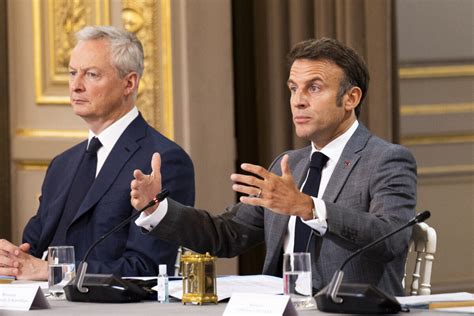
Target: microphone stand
[[332, 289], [78, 283]]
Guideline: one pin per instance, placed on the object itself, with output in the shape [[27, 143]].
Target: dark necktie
[[81, 184], [311, 187]]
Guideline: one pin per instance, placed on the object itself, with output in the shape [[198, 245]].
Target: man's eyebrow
[[314, 79]]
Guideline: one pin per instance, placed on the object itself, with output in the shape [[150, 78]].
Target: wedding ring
[[259, 195]]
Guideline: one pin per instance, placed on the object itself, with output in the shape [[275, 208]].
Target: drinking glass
[[62, 269], [297, 279]]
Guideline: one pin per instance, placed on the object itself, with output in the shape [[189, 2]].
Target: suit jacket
[[371, 192], [128, 251]]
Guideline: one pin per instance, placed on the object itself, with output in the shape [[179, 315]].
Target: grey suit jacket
[[371, 192]]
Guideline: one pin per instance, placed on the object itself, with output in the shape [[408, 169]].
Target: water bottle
[[163, 295]]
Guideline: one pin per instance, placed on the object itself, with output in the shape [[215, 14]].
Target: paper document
[[226, 285]]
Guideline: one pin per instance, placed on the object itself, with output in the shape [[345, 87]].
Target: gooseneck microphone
[[76, 291], [361, 298]]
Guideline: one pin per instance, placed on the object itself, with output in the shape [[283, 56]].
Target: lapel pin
[[347, 163]]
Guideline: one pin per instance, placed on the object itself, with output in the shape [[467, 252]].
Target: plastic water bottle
[[163, 294]]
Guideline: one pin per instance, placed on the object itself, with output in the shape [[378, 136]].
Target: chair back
[[423, 245]]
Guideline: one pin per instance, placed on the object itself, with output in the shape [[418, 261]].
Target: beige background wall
[[436, 54]]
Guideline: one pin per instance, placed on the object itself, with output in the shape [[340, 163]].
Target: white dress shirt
[[333, 151], [109, 136]]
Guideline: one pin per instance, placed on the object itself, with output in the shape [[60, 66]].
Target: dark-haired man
[[345, 190]]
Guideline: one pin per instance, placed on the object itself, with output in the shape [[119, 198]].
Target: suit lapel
[[123, 150], [349, 158], [56, 208]]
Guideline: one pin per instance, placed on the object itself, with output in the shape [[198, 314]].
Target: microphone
[[107, 288], [361, 298]]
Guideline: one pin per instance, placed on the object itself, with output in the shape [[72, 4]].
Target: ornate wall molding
[[150, 20], [436, 109], [55, 22], [436, 71]]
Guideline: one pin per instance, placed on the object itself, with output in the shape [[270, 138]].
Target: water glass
[[298, 280], [62, 269]]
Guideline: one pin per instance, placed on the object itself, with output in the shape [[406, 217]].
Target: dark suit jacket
[[127, 252], [371, 192]]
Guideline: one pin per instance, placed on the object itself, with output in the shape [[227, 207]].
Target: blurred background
[[215, 82]]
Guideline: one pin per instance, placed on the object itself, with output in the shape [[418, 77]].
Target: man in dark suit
[[105, 70], [345, 190]]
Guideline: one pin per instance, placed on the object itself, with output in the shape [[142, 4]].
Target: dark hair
[[353, 66]]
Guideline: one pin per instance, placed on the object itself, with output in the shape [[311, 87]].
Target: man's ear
[[352, 98], [130, 83]]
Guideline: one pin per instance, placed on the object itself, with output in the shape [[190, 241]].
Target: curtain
[[264, 31]]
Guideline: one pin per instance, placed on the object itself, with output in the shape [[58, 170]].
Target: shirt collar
[[334, 149], [109, 136]]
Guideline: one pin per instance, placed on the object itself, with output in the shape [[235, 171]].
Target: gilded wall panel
[[150, 21], [55, 22]]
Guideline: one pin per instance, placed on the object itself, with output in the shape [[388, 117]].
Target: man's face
[[314, 85], [97, 93]]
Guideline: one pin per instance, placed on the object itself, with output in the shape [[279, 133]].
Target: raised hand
[[145, 187], [278, 193]]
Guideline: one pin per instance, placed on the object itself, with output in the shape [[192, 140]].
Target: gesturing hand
[[145, 187], [278, 193]]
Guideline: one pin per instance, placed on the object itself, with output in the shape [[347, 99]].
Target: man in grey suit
[[367, 186]]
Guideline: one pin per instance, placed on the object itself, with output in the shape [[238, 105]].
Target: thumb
[[156, 163], [25, 247], [285, 166]]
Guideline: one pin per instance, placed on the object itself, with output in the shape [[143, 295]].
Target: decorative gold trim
[[437, 139], [166, 59], [436, 71], [445, 170], [32, 165], [436, 109], [150, 20], [53, 133], [51, 84]]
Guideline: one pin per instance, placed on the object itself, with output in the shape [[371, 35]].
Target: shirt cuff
[[149, 222], [319, 224]]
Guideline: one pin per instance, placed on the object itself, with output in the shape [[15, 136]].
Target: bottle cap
[[162, 268]]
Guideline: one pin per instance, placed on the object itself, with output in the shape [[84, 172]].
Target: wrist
[[308, 210]]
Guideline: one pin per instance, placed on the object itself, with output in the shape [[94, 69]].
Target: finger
[[156, 163], [253, 201], [8, 271], [246, 189], [245, 179], [5, 261], [138, 174], [255, 169], [25, 247], [7, 246], [285, 166]]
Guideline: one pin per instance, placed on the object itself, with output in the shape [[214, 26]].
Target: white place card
[[253, 304], [22, 297]]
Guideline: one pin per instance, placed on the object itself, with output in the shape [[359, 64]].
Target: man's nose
[[299, 100], [76, 83]]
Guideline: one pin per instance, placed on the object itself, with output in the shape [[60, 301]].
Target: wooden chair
[[423, 244]]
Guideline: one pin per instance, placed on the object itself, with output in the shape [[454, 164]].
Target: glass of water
[[298, 280], [62, 269]]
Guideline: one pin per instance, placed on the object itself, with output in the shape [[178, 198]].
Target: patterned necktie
[[81, 184], [311, 187]]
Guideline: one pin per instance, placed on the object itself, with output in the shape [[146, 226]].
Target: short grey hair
[[126, 49]]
